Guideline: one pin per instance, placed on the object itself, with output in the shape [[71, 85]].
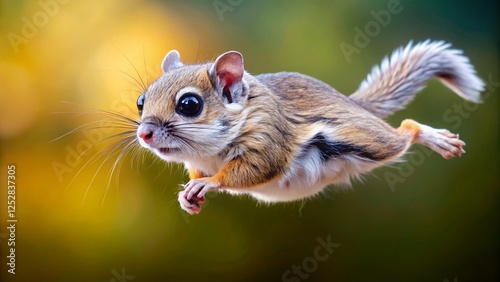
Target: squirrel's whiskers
[[278, 137], [110, 147]]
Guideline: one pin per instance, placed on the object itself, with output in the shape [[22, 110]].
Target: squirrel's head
[[193, 110]]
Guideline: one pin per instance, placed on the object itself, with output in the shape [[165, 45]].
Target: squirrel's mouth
[[167, 151]]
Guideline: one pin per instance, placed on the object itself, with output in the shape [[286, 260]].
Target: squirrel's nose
[[145, 134]]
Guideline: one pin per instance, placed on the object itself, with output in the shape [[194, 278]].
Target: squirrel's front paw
[[197, 188], [194, 194], [192, 206]]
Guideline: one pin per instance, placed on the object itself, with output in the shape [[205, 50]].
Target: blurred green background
[[424, 220]]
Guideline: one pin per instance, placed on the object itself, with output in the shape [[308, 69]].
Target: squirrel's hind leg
[[441, 141]]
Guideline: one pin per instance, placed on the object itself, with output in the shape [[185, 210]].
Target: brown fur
[[257, 129]]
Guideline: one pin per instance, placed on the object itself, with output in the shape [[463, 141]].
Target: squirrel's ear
[[227, 73], [171, 61]]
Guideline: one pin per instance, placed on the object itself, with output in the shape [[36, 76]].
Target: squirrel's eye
[[140, 103], [189, 105]]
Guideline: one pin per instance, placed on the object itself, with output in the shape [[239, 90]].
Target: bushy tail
[[393, 84]]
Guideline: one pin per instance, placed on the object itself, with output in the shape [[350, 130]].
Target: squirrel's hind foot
[[442, 141]]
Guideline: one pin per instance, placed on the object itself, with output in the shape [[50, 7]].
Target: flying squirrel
[[285, 136]]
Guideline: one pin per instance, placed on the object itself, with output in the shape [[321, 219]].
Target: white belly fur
[[307, 178]]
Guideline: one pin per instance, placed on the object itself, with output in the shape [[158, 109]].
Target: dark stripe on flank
[[335, 149]]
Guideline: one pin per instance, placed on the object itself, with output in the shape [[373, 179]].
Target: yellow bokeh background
[[63, 61]]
